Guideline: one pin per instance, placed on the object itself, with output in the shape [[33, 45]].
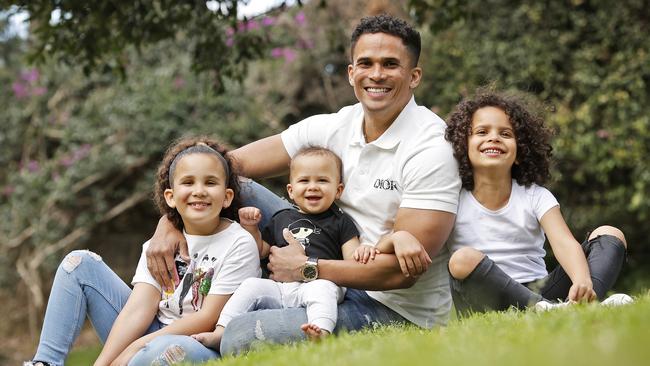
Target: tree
[[97, 35], [79, 151]]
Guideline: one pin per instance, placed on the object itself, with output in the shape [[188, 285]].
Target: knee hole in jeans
[[463, 262], [173, 354], [74, 259]]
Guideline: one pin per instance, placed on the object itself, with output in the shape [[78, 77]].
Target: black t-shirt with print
[[322, 235]]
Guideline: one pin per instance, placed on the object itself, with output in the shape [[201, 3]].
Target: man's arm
[[427, 228], [262, 159], [165, 243]]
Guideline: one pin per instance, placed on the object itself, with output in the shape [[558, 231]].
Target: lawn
[[582, 335]]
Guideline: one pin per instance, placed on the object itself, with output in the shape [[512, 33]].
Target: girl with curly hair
[[505, 215], [197, 189]]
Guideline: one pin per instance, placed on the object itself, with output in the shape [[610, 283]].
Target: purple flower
[[230, 31], [252, 25], [32, 166], [67, 161], [30, 76], [268, 21], [289, 55], [230, 42], [19, 89], [82, 152], [305, 43], [277, 52], [300, 18], [39, 90]]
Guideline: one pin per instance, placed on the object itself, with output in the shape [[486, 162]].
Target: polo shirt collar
[[392, 136]]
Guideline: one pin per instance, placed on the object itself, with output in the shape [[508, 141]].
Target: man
[[400, 180]]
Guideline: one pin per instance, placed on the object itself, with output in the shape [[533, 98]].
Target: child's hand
[[582, 292], [413, 258], [250, 216], [365, 252], [208, 339]]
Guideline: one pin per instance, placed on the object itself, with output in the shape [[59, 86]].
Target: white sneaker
[[545, 305], [617, 300]]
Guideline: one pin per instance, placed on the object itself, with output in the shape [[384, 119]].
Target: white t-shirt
[[511, 236], [219, 263], [411, 165]]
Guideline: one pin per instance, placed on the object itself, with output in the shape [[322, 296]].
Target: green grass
[[581, 335], [83, 356]]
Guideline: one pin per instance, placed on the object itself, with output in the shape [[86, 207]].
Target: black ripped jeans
[[489, 288]]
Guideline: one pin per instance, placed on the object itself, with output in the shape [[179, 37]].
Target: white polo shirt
[[411, 165]]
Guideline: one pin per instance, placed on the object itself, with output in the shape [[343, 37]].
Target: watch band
[[310, 269]]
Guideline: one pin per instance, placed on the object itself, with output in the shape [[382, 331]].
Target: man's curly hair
[[534, 151], [163, 176]]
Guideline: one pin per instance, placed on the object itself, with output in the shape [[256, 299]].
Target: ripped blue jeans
[[83, 285], [270, 325], [269, 322]]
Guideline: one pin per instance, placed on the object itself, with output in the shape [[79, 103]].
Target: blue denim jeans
[[269, 323], [172, 349], [357, 311], [83, 285], [272, 325]]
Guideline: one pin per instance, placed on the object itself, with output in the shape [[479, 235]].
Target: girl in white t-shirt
[[504, 216], [197, 190]]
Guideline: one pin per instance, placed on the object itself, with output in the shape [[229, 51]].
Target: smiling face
[[199, 192], [492, 143], [383, 75], [315, 183]]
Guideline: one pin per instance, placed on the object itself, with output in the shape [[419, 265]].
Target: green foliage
[[588, 61], [76, 152], [97, 35]]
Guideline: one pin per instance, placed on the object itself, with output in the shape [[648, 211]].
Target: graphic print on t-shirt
[[302, 229], [197, 279]]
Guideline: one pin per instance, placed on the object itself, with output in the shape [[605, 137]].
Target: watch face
[[309, 272]]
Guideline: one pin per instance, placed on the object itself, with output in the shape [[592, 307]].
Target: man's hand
[[285, 263], [165, 243], [412, 256], [250, 216]]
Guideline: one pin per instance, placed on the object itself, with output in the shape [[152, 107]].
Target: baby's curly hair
[[533, 137], [192, 145]]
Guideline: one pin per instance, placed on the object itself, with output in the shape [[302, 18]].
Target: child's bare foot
[[313, 332], [210, 339]]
